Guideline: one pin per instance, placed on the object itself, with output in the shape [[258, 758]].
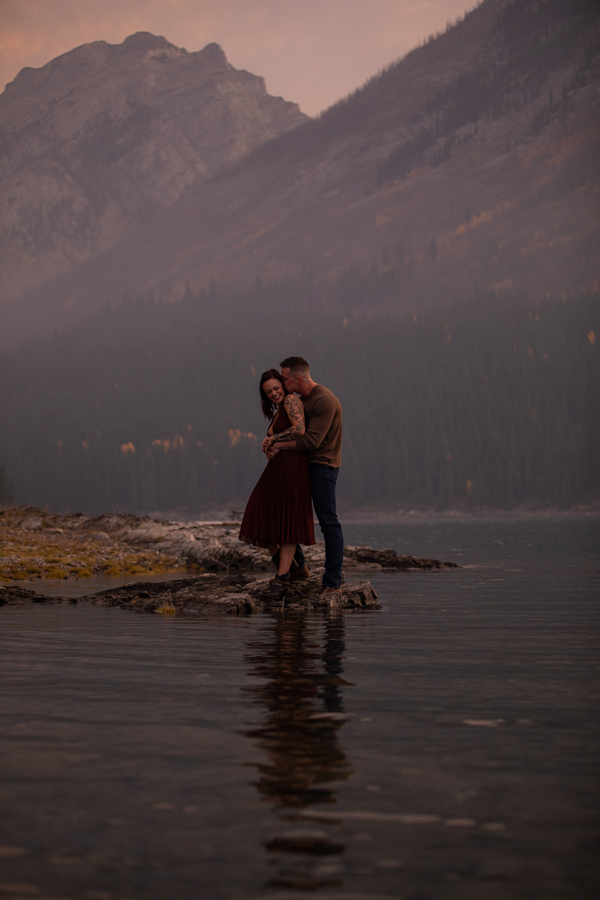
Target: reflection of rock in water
[[303, 704]]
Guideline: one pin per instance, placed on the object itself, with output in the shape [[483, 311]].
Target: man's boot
[[331, 592], [297, 573]]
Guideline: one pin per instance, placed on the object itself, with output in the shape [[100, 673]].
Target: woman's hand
[[267, 443]]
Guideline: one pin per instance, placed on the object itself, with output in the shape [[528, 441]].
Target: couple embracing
[[303, 446]]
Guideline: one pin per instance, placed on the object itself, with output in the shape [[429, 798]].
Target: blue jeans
[[322, 485]]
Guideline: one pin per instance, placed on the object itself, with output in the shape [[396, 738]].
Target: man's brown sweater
[[322, 440]]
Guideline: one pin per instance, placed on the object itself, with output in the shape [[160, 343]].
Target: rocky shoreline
[[209, 593], [224, 574]]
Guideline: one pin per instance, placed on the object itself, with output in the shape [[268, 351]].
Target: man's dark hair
[[297, 365]]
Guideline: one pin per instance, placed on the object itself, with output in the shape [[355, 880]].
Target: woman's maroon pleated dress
[[279, 510]]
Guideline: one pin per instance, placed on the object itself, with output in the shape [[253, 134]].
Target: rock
[[232, 595], [389, 559], [210, 593], [18, 596], [32, 523]]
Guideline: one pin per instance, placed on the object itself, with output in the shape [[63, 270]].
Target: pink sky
[[311, 51]]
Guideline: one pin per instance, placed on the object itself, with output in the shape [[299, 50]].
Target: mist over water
[[155, 407]]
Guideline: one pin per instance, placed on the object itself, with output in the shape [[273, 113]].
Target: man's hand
[[271, 451], [286, 445], [267, 443]]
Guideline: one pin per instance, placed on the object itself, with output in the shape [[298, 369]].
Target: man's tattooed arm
[[295, 410]]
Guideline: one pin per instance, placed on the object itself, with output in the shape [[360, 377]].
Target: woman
[[279, 512]]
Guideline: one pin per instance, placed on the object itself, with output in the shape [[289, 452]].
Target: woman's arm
[[295, 411]]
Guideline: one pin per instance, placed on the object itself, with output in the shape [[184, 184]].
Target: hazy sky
[[310, 51]]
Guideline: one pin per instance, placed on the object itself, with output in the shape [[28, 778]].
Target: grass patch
[[29, 556], [167, 609]]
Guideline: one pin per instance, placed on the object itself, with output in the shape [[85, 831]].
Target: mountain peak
[[144, 40], [214, 56], [101, 138]]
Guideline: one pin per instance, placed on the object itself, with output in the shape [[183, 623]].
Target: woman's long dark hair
[[267, 406]]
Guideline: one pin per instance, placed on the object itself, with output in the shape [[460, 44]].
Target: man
[[322, 441]]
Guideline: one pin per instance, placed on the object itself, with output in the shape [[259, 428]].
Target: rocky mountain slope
[[101, 139], [471, 164]]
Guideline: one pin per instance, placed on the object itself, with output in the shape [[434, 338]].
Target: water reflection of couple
[[303, 446], [297, 664]]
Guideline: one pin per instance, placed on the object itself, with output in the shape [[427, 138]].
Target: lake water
[[443, 747]]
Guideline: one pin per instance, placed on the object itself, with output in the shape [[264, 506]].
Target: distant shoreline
[[456, 514], [371, 514], [230, 515]]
